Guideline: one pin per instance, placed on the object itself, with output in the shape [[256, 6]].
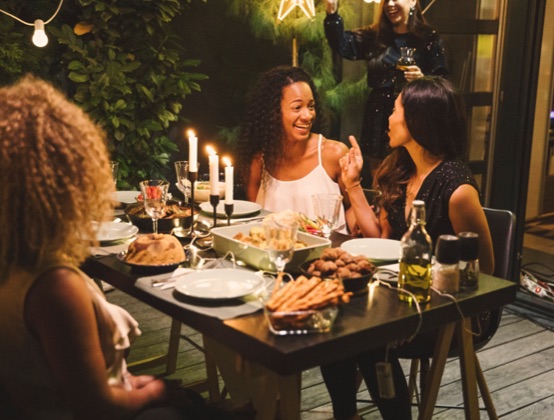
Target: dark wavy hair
[[435, 116], [261, 132], [416, 25]]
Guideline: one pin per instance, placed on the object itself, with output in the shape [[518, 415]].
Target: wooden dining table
[[370, 320]]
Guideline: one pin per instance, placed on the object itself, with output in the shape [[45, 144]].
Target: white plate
[[127, 197], [114, 231], [219, 283], [376, 249], [240, 208]]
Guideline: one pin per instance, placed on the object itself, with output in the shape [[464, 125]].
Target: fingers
[[412, 73], [354, 143]]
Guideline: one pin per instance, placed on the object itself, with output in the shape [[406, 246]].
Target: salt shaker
[[446, 272], [469, 260]]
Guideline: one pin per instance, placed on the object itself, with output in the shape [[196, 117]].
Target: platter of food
[[217, 284], [177, 215], [153, 253]]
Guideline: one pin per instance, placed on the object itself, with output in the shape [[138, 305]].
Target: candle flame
[[227, 161], [190, 133], [211, 151]]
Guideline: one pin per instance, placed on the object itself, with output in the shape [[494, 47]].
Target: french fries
[[304, 294]]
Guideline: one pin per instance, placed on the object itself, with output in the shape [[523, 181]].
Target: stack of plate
[[109, 233]]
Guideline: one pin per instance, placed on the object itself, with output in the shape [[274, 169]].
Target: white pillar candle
[[228, 181], [214, 170], [193, 151]]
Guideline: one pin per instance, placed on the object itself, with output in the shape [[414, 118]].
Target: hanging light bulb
[[39, 37]]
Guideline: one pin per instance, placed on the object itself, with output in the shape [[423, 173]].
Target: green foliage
[[129, 74]]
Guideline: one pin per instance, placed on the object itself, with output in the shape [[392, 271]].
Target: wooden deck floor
[[518, 365]]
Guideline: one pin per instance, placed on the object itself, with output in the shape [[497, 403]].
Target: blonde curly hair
[[55, 177]]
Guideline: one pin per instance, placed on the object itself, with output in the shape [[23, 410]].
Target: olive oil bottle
[[416, 252]]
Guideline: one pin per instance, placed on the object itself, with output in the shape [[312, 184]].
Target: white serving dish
[[223, 242]]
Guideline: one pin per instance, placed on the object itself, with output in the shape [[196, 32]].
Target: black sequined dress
[[384, 79], [435, 191]]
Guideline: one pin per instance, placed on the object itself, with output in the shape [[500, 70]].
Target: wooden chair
[[502, 228]]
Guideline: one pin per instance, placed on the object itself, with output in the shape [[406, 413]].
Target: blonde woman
[[62, 343]]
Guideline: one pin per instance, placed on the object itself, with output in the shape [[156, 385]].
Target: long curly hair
[[55, 177], [261, 132], [436, 118]]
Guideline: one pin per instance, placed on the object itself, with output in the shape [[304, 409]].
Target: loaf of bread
[[155, 249]]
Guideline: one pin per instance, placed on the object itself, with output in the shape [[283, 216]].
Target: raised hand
[[351, 164]]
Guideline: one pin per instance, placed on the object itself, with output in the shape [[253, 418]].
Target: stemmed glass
[[182, 173], [154, 193], [327, 210], [280, 239]]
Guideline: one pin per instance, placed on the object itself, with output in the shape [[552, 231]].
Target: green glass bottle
[[416, 252]]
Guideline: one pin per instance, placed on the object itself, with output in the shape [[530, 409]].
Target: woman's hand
[[331, 6], [351, 165], [412, 73]]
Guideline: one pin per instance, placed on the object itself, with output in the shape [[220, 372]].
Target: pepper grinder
[[469, 260], [446, 272]]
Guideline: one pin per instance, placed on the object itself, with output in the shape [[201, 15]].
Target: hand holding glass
[[327, 210], [154, 193], [280, 240]]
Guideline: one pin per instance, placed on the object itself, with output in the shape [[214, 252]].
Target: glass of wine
[[154, 194], [327, 210], [280, 239], [182, 173]]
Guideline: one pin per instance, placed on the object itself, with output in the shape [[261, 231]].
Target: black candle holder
[[214, 201], [228, 212]]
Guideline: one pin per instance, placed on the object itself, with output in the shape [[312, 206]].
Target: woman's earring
[[412, 9]]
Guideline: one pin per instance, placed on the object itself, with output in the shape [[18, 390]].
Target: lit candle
[[214, 170], [228, 181], [193, 151]]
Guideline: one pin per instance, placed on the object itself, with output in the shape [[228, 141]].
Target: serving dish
[[224, 242], [302, 322], [148, 268], [180, 217], [357, 285]]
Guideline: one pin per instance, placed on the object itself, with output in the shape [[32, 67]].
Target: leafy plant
[[129, 74]]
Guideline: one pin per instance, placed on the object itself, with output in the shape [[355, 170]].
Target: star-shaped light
[[286, 6]]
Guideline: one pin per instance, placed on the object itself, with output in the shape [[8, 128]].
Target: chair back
[[502, 227]]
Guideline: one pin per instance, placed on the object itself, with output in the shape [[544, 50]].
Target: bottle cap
[[469, 246], [447, 250]]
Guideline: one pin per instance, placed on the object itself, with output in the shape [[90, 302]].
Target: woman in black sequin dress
[[401, 24]]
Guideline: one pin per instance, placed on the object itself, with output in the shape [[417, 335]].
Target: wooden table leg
[[434, 377], [290, 387], [467, 367]]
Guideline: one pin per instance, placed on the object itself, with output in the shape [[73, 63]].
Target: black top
[[384, 79], [435, 191]]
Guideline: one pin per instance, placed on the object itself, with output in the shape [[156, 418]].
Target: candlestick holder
[[228, 212], [214, 201]]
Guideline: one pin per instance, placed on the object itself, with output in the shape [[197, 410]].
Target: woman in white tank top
[[282, 161]]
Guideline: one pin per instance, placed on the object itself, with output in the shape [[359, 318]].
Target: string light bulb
[[39, 36]]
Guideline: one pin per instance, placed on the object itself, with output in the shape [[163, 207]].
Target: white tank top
[[297, 195]]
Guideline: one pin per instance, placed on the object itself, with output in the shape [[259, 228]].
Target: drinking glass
[[182, 173], [280, 239], [406, 58], [154, 193], [327, 210], [115, 166]]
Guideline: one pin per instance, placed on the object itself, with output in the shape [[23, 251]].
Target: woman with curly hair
[[63, 344], [428, 135], [283, 162]]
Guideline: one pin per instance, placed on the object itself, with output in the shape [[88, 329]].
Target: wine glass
[[280, 239], [182, 173], [154, 194], [327, 210]]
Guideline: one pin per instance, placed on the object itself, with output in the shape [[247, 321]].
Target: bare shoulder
[[334, 149]]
